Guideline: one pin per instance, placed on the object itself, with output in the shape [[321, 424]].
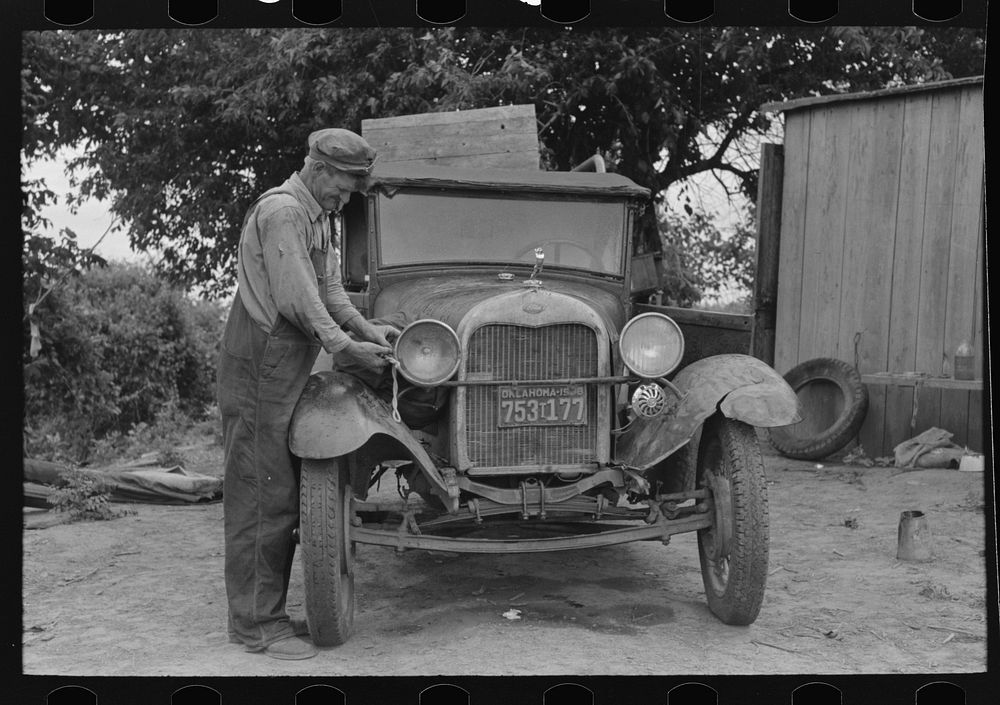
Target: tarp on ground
[[139, 483], [932, 448]]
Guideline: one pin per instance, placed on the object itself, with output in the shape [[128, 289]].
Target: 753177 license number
[[542, 405]]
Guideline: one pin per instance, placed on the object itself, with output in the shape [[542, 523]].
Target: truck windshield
[[420, 227]]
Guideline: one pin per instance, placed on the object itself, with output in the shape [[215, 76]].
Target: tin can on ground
[[914, 540]]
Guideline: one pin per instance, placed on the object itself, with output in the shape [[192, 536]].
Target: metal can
[[965, 362]]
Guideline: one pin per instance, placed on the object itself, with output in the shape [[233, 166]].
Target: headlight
[[428, 352], [651, 345]]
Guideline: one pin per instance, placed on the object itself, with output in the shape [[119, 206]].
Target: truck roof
[[391, 177]]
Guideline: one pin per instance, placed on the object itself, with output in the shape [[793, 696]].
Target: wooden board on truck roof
[[504, 137]]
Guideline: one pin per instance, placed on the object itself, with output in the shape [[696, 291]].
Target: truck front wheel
[[327, 551], [734, 550]]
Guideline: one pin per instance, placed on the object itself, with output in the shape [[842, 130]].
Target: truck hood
[[449, 298]]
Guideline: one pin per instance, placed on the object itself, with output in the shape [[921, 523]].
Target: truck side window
[[354, 247]]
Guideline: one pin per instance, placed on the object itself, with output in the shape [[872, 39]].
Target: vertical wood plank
[[857, 223], [960, 320], [793, 213], [829, 182], [905, 293], [933, 296], [977, 413], [768, 248], [860, 220], [881, 202], [978, 342]]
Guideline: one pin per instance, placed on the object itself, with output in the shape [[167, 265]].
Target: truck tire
[[834, 405], [733, 552], [327, 552]]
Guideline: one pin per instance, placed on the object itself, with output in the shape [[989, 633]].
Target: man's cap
[[342, 149]]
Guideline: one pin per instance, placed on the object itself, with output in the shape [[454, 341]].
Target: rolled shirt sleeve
[[293, 283], [338, 303]]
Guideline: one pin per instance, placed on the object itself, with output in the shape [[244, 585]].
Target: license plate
[[542, 405]]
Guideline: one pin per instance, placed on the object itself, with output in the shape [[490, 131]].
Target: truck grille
[[521, 353]]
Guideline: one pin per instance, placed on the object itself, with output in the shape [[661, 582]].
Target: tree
[[184, 128], [117, 345], [697, 258]]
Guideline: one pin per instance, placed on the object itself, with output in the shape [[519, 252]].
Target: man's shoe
[[299, 627], [291, 649]]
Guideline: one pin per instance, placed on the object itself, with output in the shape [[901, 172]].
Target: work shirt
[[282, 233]]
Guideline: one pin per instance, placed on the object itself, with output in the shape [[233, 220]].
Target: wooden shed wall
[[882, 250]]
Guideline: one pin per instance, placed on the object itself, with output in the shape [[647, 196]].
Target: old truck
[[531, 406]]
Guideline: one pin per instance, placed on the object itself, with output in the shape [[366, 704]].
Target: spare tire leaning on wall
[[834, 403]]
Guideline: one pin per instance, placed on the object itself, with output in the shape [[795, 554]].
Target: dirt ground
[[143, 595]]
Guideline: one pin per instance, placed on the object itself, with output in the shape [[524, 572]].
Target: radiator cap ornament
[[533, 281]]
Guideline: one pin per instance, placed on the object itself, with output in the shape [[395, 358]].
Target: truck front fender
[[338, 414], [740, 386]]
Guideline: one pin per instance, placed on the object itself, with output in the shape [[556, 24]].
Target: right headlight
[[428, 352], [651, 345]]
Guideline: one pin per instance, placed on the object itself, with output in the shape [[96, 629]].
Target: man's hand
[[370, 355], [378, 334]]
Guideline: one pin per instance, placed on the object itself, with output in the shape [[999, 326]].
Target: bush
[[118, 346], [85, 498], [162, 436], [700, 262]]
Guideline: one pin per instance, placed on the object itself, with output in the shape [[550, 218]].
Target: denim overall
[[260, 377]]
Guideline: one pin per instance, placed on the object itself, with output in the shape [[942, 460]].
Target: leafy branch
[[66, 273]]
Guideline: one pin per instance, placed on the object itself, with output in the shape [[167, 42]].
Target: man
[[289, 303]]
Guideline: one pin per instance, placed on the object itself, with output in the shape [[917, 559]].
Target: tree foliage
[[45, 259], [698, 258], [182, 129], [117, 343]]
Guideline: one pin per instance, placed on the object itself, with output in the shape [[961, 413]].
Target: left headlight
[[428, 352], [651, 345]]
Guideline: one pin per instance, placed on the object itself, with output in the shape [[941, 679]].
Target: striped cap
[[342, 149]]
